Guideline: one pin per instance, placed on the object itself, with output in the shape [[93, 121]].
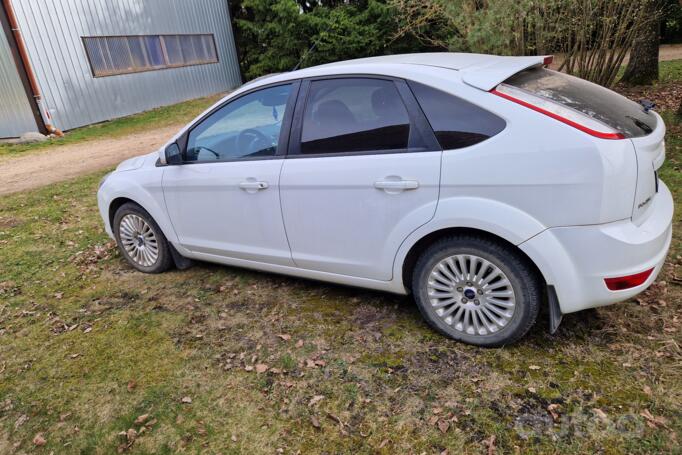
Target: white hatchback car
[[485, 186]]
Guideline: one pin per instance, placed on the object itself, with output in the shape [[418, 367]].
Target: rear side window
[[456, 123], [590, 99], [349, 115]]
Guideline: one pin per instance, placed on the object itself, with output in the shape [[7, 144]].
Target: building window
[[111, 55]]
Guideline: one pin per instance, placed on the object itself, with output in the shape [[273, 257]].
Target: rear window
[[590, 99]]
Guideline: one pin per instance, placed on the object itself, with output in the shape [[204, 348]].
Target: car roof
[[482, 71], [450, 60]]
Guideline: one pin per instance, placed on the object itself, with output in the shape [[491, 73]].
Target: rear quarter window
[[455, 122], [590, 99]]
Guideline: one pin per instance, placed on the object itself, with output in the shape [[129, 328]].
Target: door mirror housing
[[173, 154]]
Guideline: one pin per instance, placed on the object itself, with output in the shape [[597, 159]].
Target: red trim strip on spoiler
[[583, 128]]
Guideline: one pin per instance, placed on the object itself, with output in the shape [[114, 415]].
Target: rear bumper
[[575, 260]]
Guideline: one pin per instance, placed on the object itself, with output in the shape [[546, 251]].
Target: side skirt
[[386, 286]]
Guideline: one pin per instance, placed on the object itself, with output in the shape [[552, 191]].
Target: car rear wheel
[[477, 290], [140, 239]]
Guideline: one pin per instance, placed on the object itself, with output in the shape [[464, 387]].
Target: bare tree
[[593, 35], [602, 33]]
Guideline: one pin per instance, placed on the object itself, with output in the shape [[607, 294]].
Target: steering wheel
[[250, 137]]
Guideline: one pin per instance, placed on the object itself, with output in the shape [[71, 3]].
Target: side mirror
[[173, 154]]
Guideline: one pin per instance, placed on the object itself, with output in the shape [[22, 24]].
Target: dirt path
[[669, 52], [55, 164], [665, 52]]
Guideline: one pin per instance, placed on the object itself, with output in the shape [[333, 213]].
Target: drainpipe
[[23, 55]]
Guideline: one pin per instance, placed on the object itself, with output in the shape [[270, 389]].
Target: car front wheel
[[140, 239], [477, 290]]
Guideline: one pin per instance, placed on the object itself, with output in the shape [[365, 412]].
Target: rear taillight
[[626, 282], [557, 111]]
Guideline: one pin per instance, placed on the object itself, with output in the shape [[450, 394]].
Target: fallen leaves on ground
[[654, 422], [666, 96], [490, 442], [599, 413], [141, 419], [314, 400], [553, 408], [20, 421], [39, 440], [315, 421]]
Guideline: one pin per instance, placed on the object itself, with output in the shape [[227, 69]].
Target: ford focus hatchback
[[485, 186]]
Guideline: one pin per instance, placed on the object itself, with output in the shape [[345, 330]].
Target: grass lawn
[[96, 358], [670, 71]]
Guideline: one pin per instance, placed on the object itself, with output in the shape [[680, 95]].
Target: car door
[[362, 173], [224, 198]]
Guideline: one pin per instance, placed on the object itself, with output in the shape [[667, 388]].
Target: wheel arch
[[116, 204], [149, 205], [418, 247]]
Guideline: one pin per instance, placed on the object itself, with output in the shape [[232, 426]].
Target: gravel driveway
[[58, 163]]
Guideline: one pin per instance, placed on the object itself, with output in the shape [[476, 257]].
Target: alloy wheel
[[139, 240], [471, 294]]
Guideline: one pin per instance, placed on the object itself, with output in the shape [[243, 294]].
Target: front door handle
[[396, 185], [251, 186]]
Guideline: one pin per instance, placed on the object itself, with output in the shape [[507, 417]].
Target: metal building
[[69, 63]]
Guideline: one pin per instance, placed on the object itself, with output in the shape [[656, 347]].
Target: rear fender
[[487, 215]]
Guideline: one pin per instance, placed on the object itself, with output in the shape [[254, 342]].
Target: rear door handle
[[251, 186], [396, 185]]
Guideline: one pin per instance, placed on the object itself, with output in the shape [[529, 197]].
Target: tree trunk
[[642, 68], [679, 110]]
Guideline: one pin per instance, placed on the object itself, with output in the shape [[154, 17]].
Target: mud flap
[[181, 262], [555, 314]]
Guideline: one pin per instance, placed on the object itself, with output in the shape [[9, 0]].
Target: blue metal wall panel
[[53, 31], [16, 117]]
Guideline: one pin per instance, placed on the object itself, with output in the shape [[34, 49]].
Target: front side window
[[248, 127], [354, 115]]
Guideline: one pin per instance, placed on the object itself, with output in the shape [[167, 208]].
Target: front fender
[[142, 186], [494, 217]]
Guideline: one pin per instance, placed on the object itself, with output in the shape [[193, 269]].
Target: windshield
[[590, 99]]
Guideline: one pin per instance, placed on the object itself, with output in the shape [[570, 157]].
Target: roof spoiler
[[489, 75]]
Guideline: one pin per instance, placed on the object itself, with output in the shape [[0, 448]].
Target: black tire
[[524, 281], [164, 259]]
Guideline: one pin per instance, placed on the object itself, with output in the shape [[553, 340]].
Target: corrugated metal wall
[[15, 112], [53, 31]]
